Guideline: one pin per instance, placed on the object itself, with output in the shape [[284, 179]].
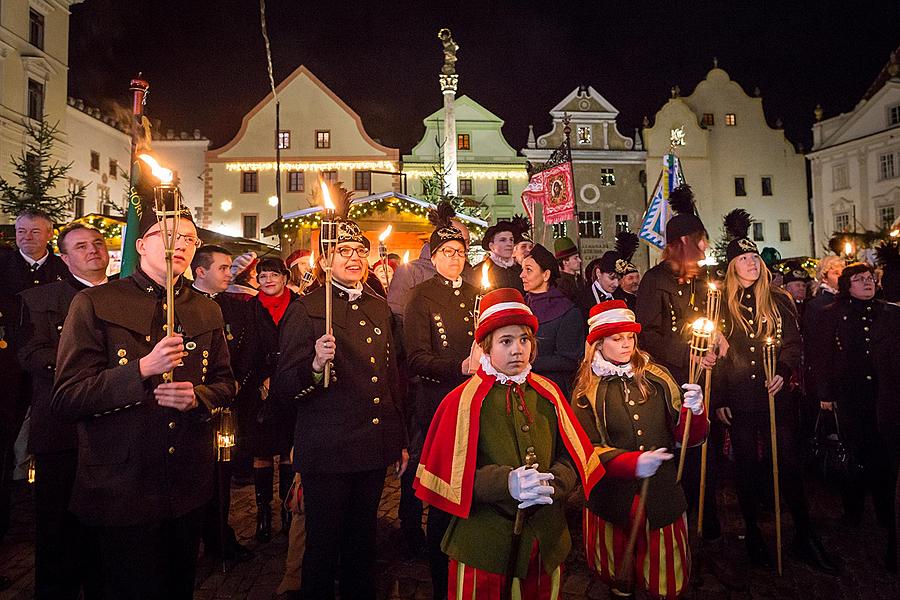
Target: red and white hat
[[296, 257], [609, 318], [503, 307]]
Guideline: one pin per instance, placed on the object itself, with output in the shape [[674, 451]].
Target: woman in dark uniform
[[273, 430], [754, 313]]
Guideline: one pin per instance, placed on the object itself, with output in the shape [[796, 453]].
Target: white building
[[855, 162], [732, 158], [319, 136], [34, 64]]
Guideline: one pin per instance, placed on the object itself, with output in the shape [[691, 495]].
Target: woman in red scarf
[[274, 431]]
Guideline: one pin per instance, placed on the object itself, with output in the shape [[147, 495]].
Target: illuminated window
[[590, 224], [622, 223], [362, 180], [784, 230], [249, 182], [323, 139], [766, 186], [465, 187], [607, 177], [463, 142], [730, 119], [739, 188], [284, 140], [584, 134], [503, 187], [758, 232], [296, 181], [36, 29], [709, 119], [560, 230]]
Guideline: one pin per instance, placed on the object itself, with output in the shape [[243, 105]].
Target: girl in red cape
[[473, 464]]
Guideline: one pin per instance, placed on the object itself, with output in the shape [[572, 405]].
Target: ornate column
[[449, 80]]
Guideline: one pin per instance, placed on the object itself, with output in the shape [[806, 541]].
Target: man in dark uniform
[[63, 554], [629, 275], [602, 282], [145, 438], [571, 282], [30, 265], [500, 241], [438, 331], [212, 275], [348, 433]]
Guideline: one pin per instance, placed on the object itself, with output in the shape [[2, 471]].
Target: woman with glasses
[[857, 327], [755, 312], [438, 332], [272, 429]]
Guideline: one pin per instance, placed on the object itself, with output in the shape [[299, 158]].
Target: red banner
[[559, 194]]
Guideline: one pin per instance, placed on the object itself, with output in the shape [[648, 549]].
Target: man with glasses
[[438, 331], [347, 434], [145, 452]]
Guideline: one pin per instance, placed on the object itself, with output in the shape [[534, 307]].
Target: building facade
[[732, 158], [608, 169], [490, 171], [319, 136], [855, 162]]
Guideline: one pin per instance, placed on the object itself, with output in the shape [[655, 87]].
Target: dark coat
[[44, 311], [571, 285], [139, 463], [885, 333], [629, 299], [438, 331], [666, 309], [501, 277], [560, 346], [739, 379], [356, 424]]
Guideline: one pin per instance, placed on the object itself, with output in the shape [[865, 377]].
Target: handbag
[[836, 460]]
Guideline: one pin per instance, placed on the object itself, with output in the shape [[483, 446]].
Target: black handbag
[[836, 460]]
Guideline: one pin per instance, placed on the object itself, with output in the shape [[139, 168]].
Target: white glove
[[527, 485], [649, 462], [693, 397]]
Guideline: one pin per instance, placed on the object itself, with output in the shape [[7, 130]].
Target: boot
[[262, 481], [285, 479], [756, 547]]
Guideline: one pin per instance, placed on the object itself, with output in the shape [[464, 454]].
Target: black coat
[[356, 424], [885, 333], [139, 463], [739, 379], [630, 300], [560, 347], [501, 277], [572, 286], [438, 329], [44, 311], [666, 309]]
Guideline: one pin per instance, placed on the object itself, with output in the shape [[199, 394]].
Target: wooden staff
[[515, 542], [625, 573], [713, 303], [769, 364], [162, 193], [702, 332], [328, 234], [383, 255]]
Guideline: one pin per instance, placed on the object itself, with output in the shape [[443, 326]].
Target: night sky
[[206, 64]]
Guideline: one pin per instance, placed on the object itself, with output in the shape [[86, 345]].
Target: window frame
[[758, 231], [844, 215], [366, 179], [255, 178], [40, 30], [323, 142], [244, 225], [845, 170], [708, 120], [504, 189], [464, 141], [782, 231], [607, 177], [587, 140], [331, 175], [590, 224], [469, 183], [95, 164], [113, 168], [886, 159], [278, 138], [730, 119], [302, 181], [36, 95], [881, 214], [762, 186], [893, 115], [740, 191]]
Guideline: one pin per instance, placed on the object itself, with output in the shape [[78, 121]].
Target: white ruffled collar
[[501, 262], [503, 377], [603, 368]]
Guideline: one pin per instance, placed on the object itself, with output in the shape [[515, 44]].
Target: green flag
[[129, 252]]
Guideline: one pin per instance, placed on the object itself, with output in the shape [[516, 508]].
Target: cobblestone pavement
[[721, 569]]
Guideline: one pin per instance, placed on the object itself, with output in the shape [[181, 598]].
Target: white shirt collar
[[599, 293], [354, 293], [501, 262], [503, 377], [88, 283], [31, 262], [603, 368]]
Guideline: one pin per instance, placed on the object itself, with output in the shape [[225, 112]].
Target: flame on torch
[[326, 196], [384, 234], [848, 248], [311, 260], [163, 174], [406, 257], [485, 282]]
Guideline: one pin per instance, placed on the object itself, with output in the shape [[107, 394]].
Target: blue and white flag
[[653, 225]]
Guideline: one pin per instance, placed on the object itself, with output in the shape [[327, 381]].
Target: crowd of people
[[491, 407]]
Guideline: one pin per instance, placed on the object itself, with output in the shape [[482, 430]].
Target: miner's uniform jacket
[[139, 463]]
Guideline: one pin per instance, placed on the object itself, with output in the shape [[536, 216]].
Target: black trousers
[[151, 562], [215, 516], [65, 551], [341, 521], [749, 433]]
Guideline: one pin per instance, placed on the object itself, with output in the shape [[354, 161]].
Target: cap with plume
[[523, 228], [685, 221], [627, 244], [347, 230], [441, 216], [737, 227]]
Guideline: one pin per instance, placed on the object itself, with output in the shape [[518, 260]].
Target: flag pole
[[140, 89]]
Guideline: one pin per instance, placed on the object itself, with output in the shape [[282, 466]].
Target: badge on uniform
[[192, 345]]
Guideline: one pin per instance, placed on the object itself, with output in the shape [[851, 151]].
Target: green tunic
[[483, 540]]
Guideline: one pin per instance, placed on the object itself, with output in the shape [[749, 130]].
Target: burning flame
[[406, 257], [703, 325], [769, 341], [485, 282], [311, 260], [895, 233], [163, 174], [326, 196], [384, 234], [712, 287], [848, 248]]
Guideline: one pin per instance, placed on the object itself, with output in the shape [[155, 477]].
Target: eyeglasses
[[347, 252], [450, 253], [863, 279], [190, 240]]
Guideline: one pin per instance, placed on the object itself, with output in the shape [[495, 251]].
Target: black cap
[[441, 216], [347, 231], [685, 221], [499, 227], [546, 261]]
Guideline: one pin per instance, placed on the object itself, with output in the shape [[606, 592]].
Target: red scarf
[[276, 305]]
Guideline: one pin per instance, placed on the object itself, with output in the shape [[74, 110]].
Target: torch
[[713, 304], [476, 314], [406, 257], [769, 366], [328, 234], [383, 254], [225, 435], [307, 278], [700, 336], [518, 527]]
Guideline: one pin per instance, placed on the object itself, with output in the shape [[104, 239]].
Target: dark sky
[[205, 60]]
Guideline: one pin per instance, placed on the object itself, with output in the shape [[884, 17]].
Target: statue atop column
[[450, 48]]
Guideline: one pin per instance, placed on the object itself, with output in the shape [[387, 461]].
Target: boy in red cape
[[473, 463]]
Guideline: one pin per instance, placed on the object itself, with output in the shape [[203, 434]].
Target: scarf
[[502, 262], [603, 368], [276, 305], [548, 305]]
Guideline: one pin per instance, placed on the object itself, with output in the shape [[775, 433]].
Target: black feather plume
[[627, 243], [681, 199], [522, 224], [440, 215], [737, 223]]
